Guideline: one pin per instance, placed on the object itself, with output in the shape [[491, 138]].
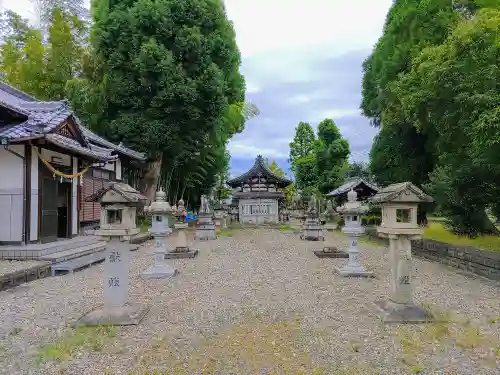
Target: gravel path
[[10, 266], [255, 301]]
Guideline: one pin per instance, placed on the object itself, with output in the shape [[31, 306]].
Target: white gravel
[[226, 304]]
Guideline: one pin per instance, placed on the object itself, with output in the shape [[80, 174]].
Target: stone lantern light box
[[400, 208], [119, 203]]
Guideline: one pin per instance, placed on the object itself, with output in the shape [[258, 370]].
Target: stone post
[[116, 309]]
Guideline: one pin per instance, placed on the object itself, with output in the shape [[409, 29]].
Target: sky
[[302, 62]]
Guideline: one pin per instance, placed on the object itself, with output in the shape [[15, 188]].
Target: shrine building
[[257, 194], [50, 162]]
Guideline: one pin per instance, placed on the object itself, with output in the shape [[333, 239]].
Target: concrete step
[[74, 243], [77, 252]]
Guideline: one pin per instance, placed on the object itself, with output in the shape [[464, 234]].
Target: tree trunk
[[149, 182]]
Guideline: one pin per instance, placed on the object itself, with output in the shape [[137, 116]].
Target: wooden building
[[49, 163], [257, 194], [363, 188]]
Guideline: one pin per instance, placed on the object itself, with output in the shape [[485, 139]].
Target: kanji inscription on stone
[[116, 274]]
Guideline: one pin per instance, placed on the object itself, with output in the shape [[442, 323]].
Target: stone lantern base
[[159, 271], [392, 312], [313, 231], [348, 271], [205, 228], [330, 252], [130, 314]]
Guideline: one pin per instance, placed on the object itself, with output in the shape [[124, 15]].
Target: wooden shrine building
[[257, 194], [364, 189], [50, 163]]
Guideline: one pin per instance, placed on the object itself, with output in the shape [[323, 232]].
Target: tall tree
[[332, 151], [170, 69], [302, 155], [455, 87], [44, 11]]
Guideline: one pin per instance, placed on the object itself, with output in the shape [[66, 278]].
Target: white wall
[[11, 194], [34, 195], [74, 199], [63, 159]]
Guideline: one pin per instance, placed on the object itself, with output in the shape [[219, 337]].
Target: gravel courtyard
[[258, 302]]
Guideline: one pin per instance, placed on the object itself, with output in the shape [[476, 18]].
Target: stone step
[[77, 252], [78, 263]]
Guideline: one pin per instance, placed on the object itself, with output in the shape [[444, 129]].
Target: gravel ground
[[257, 302], [10, 266]]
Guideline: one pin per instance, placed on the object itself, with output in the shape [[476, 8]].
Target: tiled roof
[[259, 168], [350, 185], [99, 141], [41, 118], [71, 144]]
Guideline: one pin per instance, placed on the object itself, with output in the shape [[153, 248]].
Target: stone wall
[[469, 259]]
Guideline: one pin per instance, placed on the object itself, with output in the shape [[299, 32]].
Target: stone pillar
[[117, 310]]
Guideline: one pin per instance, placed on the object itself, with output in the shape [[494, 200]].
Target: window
[[403, 215], [114, 216]]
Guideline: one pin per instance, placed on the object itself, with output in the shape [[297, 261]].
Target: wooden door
[[48, 208]]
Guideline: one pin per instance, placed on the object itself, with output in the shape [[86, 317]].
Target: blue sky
[[302, 62]]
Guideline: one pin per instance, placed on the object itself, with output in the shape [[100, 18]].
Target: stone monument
[[352, 211], [160, 211], [119, 204], [313, 230], [205, 226], [181, 249], [117, 310], [399, 224]]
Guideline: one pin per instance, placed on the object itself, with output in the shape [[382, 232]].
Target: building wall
[[11, 194], [34, 195], [74, 199], [258, 211]]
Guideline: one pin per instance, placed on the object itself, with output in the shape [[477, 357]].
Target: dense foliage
[[431, 84], [160, 76], [319, 162]]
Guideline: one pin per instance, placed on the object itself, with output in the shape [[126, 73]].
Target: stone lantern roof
[[403, 192], [118, 193]]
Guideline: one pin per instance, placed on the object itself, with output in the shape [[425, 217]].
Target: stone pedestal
[[353, 268], [313, 231], [330, 252], [205, 227], [181, 249], [400, 307], [160, 269], [117, 310]]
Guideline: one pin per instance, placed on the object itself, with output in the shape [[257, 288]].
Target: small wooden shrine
[[257, 194]]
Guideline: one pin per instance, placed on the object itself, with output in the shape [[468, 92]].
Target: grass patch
[[285, 227], [249, 347], [82, 338], [225, 232], [436, 231]]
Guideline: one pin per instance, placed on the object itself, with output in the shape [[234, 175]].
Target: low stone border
[[469, 259], [14, 279]]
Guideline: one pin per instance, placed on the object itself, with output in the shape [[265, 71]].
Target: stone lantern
[[205, 226], [181, 249], [313, 231], [399, 224], [352, 211], [160, 211]]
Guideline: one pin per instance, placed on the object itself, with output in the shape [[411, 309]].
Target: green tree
[[169, 72], [289, 191], [332, 151], [455, 88], [302, 155]]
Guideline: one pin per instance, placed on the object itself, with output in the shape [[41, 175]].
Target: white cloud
[[246, 149], [281, 25]]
